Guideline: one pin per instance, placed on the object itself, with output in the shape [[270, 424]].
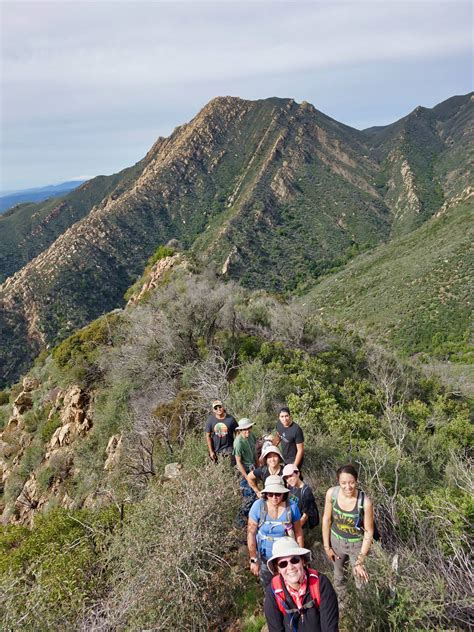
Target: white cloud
[[89, 66]]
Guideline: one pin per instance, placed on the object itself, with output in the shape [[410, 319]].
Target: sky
[[87, 87]]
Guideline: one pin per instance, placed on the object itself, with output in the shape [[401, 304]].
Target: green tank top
[[344, 522]]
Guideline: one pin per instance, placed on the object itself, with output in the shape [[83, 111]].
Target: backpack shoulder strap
[[278, 593], [360, 502], [289, 516], [263, 512], [313, 579]]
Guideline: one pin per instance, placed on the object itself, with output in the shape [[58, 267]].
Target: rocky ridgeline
[[224, 184], [73, 407], [152, 279]]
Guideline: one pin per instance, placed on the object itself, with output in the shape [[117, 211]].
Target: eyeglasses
[[272, 494], [217, 407], [293, 560]]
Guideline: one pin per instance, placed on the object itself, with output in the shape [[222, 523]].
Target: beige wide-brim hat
[[269, 449], [286, 547], [244, 424], [275, 484]]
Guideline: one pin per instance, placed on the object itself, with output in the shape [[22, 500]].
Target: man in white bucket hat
[[298, 598]]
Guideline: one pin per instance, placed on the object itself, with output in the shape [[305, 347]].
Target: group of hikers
[[279, 510]]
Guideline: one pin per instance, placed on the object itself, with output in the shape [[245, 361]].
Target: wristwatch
[[253, 560]]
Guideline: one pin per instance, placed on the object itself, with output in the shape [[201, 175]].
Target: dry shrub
[[172, 561]]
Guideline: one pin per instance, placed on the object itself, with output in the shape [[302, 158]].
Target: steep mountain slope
[[233, 155], [28, 229], [416, 291], [272, 191], [426, 158]]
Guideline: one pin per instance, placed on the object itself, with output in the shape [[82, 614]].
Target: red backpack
[[279, 593]]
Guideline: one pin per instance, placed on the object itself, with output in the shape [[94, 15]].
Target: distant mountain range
[[273, 193], [37, 194]]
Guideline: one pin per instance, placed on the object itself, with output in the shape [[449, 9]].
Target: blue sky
[[87, 87]]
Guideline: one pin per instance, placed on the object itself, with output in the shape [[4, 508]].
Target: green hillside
[[28, 229], [95, 536], [272, 192], [414, 293]]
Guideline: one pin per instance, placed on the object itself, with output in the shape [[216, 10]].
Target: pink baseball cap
[[289, 469]]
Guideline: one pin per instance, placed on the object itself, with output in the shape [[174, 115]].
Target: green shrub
[[49, 427], [4, 416], [78, 354], [57, 569], [4, 397], [13, 486], [171, 565], [32, 457]]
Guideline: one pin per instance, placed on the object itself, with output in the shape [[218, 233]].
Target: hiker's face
[[273, 459], [292, 479], [246, 433], [348, 484], [274, 499], [285, 419], [292, 573]]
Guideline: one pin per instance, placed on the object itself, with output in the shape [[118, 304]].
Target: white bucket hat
[[274, 484], [244, 424], [268, 449], [285, 547]]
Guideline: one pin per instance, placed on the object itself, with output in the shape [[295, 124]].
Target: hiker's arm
[[328, 609], [299, 454], [272, 614], [298, 529], [240, 466], [327, 520], [252, 527], [210, 446], [252, 481], [304, 519], [359, 568]]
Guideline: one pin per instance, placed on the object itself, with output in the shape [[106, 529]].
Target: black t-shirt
[[222, 432], [306, 502], [289, 438], [262, 473]]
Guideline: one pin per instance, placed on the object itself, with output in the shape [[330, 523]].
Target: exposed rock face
[[156, 274], [113, 451], [73, 408], [22, 403], [75, 422]]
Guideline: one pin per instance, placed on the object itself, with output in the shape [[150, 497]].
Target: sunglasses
[[272, 494], [294, 560], [217, 407]]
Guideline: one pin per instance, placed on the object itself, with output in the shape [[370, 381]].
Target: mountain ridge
[[238, 183]]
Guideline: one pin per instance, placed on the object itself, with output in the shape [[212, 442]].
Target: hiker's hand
[[213, 457], [360, 572], [254, 568], [331, 555]]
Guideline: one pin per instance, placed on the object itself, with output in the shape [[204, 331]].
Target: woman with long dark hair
[[348, 528]]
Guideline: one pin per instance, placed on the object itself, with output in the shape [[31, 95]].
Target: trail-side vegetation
[[166, 552]]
